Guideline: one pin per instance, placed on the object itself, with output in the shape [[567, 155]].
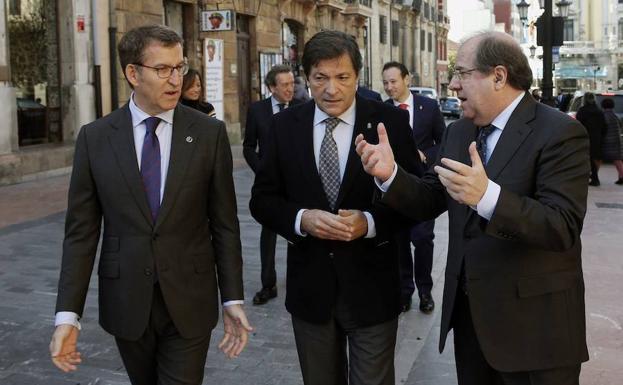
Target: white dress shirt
[[342, 134], [489, 200], [275, 103], [408, 102]]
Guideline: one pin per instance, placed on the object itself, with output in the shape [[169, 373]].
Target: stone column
[[8, 108]]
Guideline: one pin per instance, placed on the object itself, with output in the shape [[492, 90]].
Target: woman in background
[[192, 89], [592, 117], [612, 145]]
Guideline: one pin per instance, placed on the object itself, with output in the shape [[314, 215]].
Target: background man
[[159, 174], [428, 126], [280, 81], [342, 286], [512, 175]]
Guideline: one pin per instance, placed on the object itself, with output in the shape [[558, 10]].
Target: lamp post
[[595, 70], [549, 34]]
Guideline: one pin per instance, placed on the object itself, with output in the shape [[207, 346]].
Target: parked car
[[450, 106], [425, 91], [578, 101]]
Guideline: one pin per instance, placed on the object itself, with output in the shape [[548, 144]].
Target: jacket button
[[147, 271], [331, 255], [154, 236]]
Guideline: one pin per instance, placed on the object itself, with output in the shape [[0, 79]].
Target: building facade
[[75, 76]]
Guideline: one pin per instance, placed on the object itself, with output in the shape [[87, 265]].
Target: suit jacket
[[523, 268], [363, 272], [259, 118], [369, 94], [428, 125], [196, 235]]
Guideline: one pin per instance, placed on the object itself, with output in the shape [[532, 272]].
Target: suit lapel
[[122, 142], [303, 138], [184, 137], [513, 135]]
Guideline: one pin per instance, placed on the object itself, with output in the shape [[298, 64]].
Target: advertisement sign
[[213, 74], [216, 20]]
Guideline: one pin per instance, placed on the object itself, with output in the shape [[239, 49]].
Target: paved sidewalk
[[31, 229]]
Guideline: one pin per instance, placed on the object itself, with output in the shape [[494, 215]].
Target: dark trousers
[[161, 356], [416, 267], [324, 360], [594, 170], [268, 242], [473, 369]]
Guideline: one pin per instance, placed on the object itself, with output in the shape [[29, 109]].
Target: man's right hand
[[325, 225], [377, 160], [63, 348]]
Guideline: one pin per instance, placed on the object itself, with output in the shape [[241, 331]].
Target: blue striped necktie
[[150, 166]]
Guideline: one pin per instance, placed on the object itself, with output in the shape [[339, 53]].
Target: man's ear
[[500, 75], [131, 73]]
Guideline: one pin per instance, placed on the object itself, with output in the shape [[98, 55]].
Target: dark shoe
[[427, 304], [620, 181], [262, 296], [594, 183], [406, 305]]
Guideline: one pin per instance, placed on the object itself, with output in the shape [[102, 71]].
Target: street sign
[[555, 54]]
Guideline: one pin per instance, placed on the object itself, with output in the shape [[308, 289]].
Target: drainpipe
[[112, 39], [96, 61]]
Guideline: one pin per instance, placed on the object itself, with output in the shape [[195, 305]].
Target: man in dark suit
[[368, 94], [280, 81], [428, 126], [159, 174], [343, 289], [512, 175]]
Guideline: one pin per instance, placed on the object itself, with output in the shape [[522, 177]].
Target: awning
[[579, 72]]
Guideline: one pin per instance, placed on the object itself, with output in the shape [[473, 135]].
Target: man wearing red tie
[[427, 128]]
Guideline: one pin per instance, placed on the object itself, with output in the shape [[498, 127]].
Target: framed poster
[[213, 74], [216, 20], [267, 61]]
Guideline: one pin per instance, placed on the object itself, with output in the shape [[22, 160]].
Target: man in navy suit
[[369, 94], [428, 126], [280, 81]]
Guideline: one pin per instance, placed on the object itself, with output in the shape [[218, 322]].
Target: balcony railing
[[367, 3]]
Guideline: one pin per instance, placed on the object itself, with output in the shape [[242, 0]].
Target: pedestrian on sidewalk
[[342, 281], [512, 176], [192, 92], [159, 175], [427, 127], [612, 144], [594, 121], [280, 82]]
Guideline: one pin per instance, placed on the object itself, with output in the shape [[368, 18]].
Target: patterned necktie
[[403, 106], [481, 141], [281, 106], [329, 164], [150, 166]]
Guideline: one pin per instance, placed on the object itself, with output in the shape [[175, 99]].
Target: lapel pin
[[421, 108], [189, 139], [369, 126]]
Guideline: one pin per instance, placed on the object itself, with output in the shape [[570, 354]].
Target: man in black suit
[[343, 287], [512, 175], [369, 94], [280, 81], [428, 126], [159, 174]]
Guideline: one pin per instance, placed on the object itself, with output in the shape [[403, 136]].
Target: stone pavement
[[31, 228]]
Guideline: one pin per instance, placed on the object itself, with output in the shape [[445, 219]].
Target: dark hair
[[495, 50], [189, 79], [271, 77], [607, 104], [132, 45], [589, 98], [394, 64], [330, 45]]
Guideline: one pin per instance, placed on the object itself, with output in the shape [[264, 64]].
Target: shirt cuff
[[385, 186], [67, 318], [297, 223], [487, 204], [371, 226], [233, 302]]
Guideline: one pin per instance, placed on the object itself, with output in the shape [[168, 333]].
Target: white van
[[425, 91]]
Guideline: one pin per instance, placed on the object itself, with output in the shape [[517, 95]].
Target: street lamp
[[595, 70], [532, 51], [563, 8], [522, 7], [542, 4]]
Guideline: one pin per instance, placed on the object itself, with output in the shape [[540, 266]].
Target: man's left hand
[[356, 220], [237, 331], [464, 184]]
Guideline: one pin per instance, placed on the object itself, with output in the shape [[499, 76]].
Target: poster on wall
[[267, 61], [216, 20], [3, 40], [213, 74]]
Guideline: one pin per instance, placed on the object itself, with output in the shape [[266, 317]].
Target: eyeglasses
[[165, 72], [460, 74]]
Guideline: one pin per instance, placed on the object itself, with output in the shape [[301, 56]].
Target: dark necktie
[[150, 166], [481, 141], [329, 164], [281, 106]]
